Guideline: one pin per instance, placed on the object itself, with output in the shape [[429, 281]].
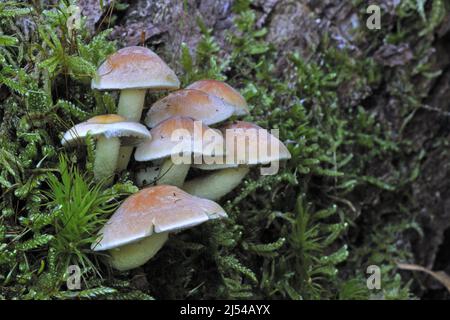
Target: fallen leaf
[[440, 276]]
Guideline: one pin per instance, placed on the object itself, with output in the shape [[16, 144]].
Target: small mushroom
[[189, 103], [141, 225], [225, 92], [166, 144], [228, 174], [110, 131], [133, 70]]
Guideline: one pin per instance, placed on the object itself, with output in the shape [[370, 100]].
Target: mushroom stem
[[136, 254], [172, 174], [124, 157], [131, 103], [106, 155], [215, 185]]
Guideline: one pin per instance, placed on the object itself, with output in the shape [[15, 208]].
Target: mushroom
[[174, 136], [225, 92], [230, 172], [189, 103], [110, 130], [141, 225], [133, 70]]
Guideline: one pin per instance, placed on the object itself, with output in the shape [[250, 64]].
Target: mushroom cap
[[189, 103], [154, 210], [225, 92], [272, 148], [162, 145], [134, 68], [108, 125]]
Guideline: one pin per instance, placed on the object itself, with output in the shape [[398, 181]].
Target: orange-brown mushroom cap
[[247, 144], [135, 68], [155, 210], [201, 140], [189, 103], [268, 147], [223, 91]]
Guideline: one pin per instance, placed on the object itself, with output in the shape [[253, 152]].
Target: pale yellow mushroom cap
[[108, 125]]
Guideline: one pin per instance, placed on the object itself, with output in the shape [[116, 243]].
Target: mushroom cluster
[[211, 103], [181, 137]]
